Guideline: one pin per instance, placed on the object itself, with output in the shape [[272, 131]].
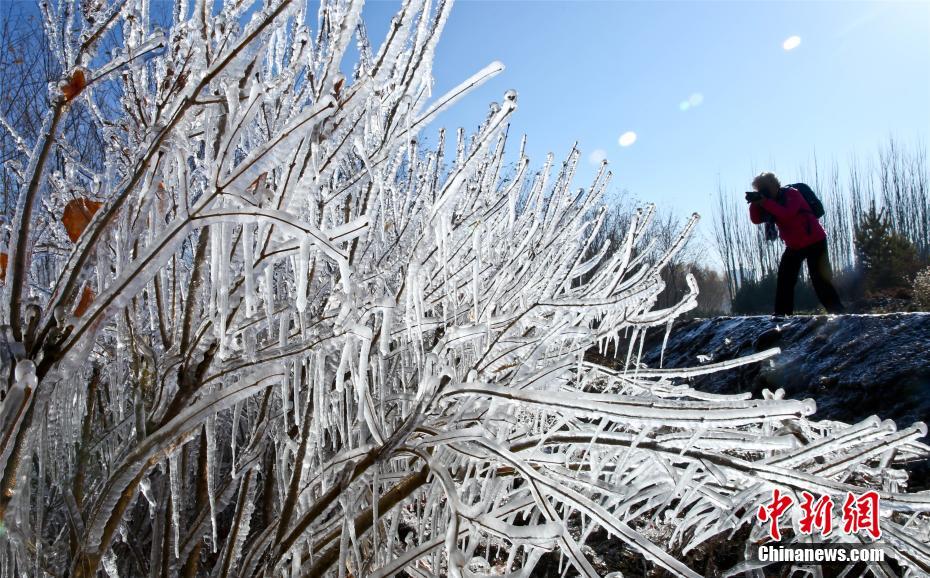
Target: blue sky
[[592, 70], [589, 71]]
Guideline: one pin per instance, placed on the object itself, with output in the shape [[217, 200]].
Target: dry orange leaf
[[74, 85], [254, 185], [3, 259], [162, 200], [87, 297], [78, 213]]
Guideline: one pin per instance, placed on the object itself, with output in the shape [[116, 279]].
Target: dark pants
[[818, 267]]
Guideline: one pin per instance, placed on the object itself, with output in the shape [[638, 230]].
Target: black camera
[[752, 196]]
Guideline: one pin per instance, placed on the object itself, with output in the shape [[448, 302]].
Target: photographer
[[804, 237]]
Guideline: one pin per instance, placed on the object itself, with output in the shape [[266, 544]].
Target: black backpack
[[811, 197]]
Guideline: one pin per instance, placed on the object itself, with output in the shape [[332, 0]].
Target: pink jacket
[[797, 225]]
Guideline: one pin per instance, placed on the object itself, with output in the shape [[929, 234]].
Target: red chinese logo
[[773, 511], [860, 513], [816, 515]]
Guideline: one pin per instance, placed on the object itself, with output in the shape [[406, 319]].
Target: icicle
[[248, 342], [248, 260], [210, 432], [222, 295], [237, 414], [283, 329], [629, 353], [668, 331], [387, 319], [285, 384], [298, 374], [303, 266], [268, 298], [316, 390], [344, 360], [176, 506], [215, 259]]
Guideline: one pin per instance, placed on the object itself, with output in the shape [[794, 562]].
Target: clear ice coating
[[320, 338]]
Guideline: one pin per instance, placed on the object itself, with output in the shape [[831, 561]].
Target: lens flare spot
[[597, 156], [693, 101], [791, 42], [627, 138]]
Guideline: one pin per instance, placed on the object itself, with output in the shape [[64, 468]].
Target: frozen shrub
[[284, 337]]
